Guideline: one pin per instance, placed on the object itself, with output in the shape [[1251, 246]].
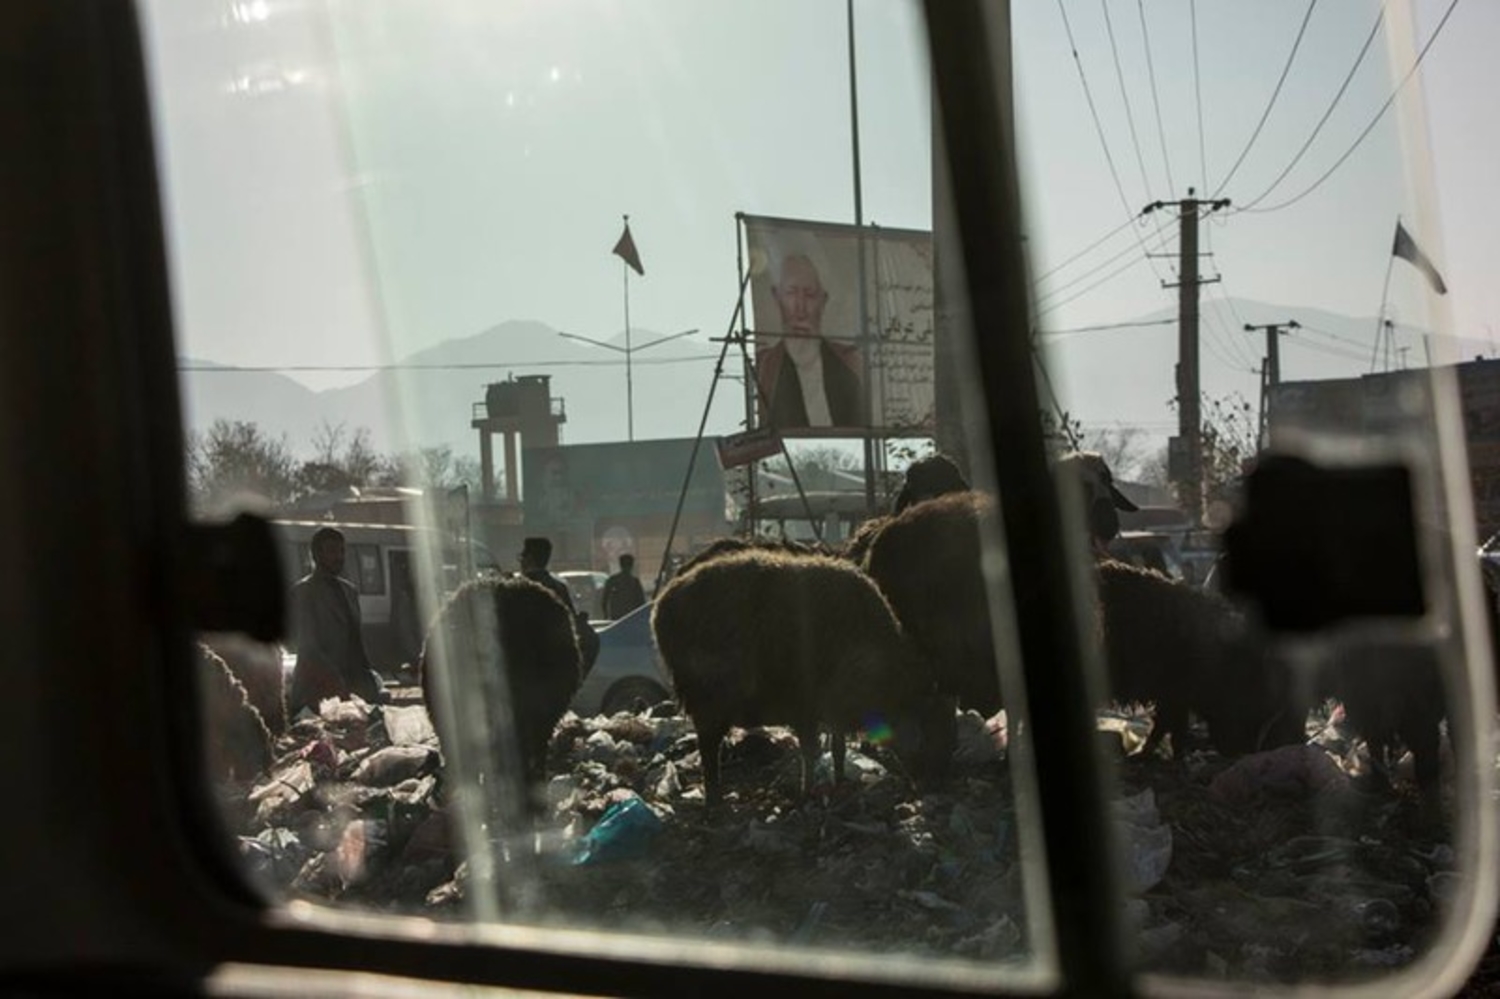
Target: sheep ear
[[1122, 502]]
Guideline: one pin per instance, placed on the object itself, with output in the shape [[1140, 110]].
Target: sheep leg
[[807, 747], [1424, 740], [709, 743], [1171, 718]]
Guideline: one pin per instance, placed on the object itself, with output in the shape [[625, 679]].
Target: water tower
[[519, 408]]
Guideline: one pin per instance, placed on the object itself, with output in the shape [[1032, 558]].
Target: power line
[[1335, 336], [1234, 310], [1348, 78], [1109, 158], [1330, 349], [205, 369], [1062, 414], [1135, 141], [1198, 99], [1243, 358], [1291, 57], [1224, 346], [1110, 326], [1373, 121], [1097, 284], [1216, 351], [1159, 245], [1086, 250], [1155, 98]]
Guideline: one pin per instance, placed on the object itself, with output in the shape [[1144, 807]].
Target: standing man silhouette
[[331, 658], [623, 592]]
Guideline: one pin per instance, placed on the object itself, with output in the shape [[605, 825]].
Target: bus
[[381, 562]]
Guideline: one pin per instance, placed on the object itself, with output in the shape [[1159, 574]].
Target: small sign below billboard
[[752, 445]]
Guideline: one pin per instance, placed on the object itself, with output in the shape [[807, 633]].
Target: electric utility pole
[[1270, 375], [1185, 451]]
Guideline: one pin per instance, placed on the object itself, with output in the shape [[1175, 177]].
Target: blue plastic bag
[[624, 832]]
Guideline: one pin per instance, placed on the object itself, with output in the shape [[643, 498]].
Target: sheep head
[[1102, 499]]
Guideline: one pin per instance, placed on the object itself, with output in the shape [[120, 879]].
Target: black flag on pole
[[626, 251], [1406, 248]]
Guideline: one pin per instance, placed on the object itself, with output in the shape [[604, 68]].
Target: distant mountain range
[[1104, 378], [428, 398]]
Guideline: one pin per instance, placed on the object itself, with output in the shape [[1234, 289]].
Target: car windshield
[[663, 303]]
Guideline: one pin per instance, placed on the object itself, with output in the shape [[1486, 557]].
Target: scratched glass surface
[[536, 305]]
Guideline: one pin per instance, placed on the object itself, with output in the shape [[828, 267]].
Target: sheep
[[729, 545], [257, 666], [857, 545], [1102, 499], [762, 637], [927, 478], [926, 560], [1393, 695], [517, 629], [238, 742], [1180, 648], [1185, 650], [1163, 642]]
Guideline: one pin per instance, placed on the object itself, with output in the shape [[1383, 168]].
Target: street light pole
[[629, 381], [628, 350]]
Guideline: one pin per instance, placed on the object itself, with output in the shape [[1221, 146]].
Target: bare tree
[[1230, 441], [234, 465], [435, 467], [1127, 451]]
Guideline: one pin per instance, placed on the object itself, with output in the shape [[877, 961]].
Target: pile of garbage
[[1275, 867]]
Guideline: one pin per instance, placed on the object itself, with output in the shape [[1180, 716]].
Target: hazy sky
[[352, 181]]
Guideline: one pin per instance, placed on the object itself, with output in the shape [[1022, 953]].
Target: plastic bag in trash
[[276, 854], [1145, 840], [622, 833]]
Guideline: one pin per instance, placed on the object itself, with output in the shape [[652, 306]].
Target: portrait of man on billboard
[[808, 377]]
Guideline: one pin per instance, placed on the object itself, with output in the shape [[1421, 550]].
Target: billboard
[[820, 372]]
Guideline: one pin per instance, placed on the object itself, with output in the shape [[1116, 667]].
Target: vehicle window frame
[[194, 911], [369, 568]]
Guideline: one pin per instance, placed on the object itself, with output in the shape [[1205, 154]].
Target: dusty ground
[[1280, 867]]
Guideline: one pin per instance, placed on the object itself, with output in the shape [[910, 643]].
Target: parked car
[[587, 589], [1149, 550], [628, 673]]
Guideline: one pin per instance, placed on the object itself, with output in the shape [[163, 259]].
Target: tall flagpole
[[629, 382], [854, 120], [863, 338], [1380, 327]]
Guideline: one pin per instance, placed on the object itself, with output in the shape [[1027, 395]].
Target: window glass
[[584, 280], [371, 573], [1237, 261], [539, 280]]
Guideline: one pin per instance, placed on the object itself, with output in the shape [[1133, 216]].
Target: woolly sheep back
[[926, 560], [238, 744], [1185, 649], [761, 637], [538, 647]]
